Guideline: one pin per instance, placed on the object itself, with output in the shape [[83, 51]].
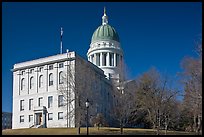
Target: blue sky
[[151, 34]]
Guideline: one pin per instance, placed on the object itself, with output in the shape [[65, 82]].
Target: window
[[61, 78], [30, 104], [40, 69], [50, 101], [104, 59], [60, 115], [111, 59], [22, 84], [31, 71], [21, 105], [97, 59], [30, 118], [117, 59], [50, 79], [21, 118], [50, 67], [22, 72], [61, 65], [60, 101], [40, 103], [31, 83], [40, 81], [92, 58], [50, 116]]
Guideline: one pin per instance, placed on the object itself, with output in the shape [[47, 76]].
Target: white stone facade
[[37, 81]]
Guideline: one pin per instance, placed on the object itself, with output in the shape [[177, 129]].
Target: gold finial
[[104, 10]]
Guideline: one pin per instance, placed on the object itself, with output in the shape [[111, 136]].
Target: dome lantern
[[105, 31], [104, 18]]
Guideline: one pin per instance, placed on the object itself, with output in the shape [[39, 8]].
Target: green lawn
[[92, 131]]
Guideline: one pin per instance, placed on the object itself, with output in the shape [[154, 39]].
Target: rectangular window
[[60, 115], [60, 101], [40, 69], [30, 118], [22, 72], [61, 65], [40, 103], [97, 59], [21, 105], [117, 59], [50, 100], [31, 71], [30, 104], [50, 67], [104, 59], [21, 118], [92, 58], [111, 59], [50, 116]]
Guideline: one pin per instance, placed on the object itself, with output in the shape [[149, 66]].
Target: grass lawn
[[92, 131]]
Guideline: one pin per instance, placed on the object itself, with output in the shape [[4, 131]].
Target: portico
[[40, 116]]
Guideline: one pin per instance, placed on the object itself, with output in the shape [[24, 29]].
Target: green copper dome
[[105, 32]]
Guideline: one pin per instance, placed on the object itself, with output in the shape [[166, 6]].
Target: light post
[[87, 106]]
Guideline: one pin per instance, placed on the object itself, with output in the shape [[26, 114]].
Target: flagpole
[[61, 41]]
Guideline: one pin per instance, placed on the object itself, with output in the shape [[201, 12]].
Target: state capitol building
[[52, 91]]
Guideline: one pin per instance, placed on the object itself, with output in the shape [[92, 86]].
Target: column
[[37, 79], [19, 80], [108, 59], [46, 77], [44, 119], [90, 58], [34, 119], [114, 60], [57, 77], [101, 59], [27, 81]]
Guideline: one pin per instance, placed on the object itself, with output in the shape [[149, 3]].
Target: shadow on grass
[[92, 131]]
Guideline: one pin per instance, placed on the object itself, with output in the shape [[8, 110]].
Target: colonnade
[[106, 59]]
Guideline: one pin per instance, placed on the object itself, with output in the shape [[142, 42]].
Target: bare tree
[[155, 97], [77, 85], [99, 120], [123, 103], [192, 80]]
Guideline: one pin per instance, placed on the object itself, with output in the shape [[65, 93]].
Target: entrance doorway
[[38, 118]]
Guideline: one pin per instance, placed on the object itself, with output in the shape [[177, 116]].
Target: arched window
[[31, 83], [41, 81], [22, 84], [61, 78], [50, 79]]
